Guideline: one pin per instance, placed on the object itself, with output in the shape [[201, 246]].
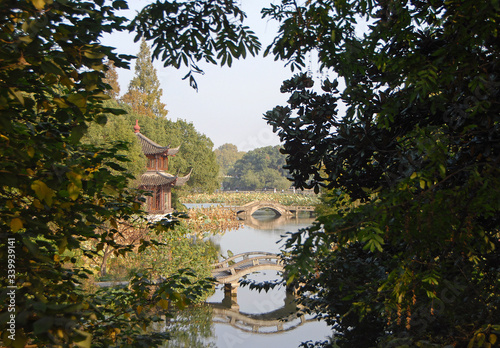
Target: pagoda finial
[[137, 128]]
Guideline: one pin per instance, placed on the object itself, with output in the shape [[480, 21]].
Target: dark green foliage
[[406, 246], [56, 191], [117, 128]]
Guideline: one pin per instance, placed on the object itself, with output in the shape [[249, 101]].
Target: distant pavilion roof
[[149, 147]]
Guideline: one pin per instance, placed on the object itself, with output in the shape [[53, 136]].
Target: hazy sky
[[230, 102]]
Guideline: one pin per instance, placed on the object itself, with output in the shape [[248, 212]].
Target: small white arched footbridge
[[232, 269]]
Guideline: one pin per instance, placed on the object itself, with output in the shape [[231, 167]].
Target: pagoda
[[156, 179]]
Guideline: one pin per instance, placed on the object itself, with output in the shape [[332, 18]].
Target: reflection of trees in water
[[191, 327]]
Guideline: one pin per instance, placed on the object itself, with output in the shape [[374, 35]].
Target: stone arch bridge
[[232, 269], [279, 209], [229, 272]]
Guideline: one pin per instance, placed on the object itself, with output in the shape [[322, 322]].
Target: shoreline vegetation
[[241, 198]]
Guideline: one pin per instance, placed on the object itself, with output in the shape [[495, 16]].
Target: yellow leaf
[[94, 54], [62, 245], [42, 191], [40, 4], [26, 39], [37, 204], [16, 224], [56, 258], [75, 178], [86, 343], [60, 102], [78, 99], [101, 96], [163, 303], [139, 310], [98, 67], [31, 151], [17, 94], [422, 184], [493, 338], [73, 191]]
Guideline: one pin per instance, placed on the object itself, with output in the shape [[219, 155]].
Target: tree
[[117, 129], [112, 80], [144, 92], [406, 246], [227, 155], [195, 153], [259, 169], [56, 190]]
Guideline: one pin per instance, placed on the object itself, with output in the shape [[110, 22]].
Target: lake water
[[253, 322]]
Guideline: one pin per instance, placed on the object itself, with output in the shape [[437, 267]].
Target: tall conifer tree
[[144, 92], [112, 80]]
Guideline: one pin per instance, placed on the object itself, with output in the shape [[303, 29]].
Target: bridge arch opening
[[265, 212]]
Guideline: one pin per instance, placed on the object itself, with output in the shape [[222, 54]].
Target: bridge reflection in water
[[282, 319], [229, 272]]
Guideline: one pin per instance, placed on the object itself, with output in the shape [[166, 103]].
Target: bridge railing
[[243, 256], [245, 264]]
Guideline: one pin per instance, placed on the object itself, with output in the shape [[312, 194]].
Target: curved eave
[[183, 179], [157, 179], [173, 152], [149, 147]]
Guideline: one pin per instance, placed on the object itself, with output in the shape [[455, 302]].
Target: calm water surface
[[253, 321]]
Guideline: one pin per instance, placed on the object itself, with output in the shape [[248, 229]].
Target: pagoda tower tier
[[156, 179]]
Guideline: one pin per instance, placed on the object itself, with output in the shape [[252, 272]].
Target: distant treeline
[[259, 169]]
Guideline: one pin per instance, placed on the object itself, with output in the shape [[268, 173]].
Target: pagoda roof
[[153, 178], [181, 180], [149, 147]]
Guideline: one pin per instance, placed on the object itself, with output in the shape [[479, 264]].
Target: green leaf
[[43, 325], [77, 133]]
